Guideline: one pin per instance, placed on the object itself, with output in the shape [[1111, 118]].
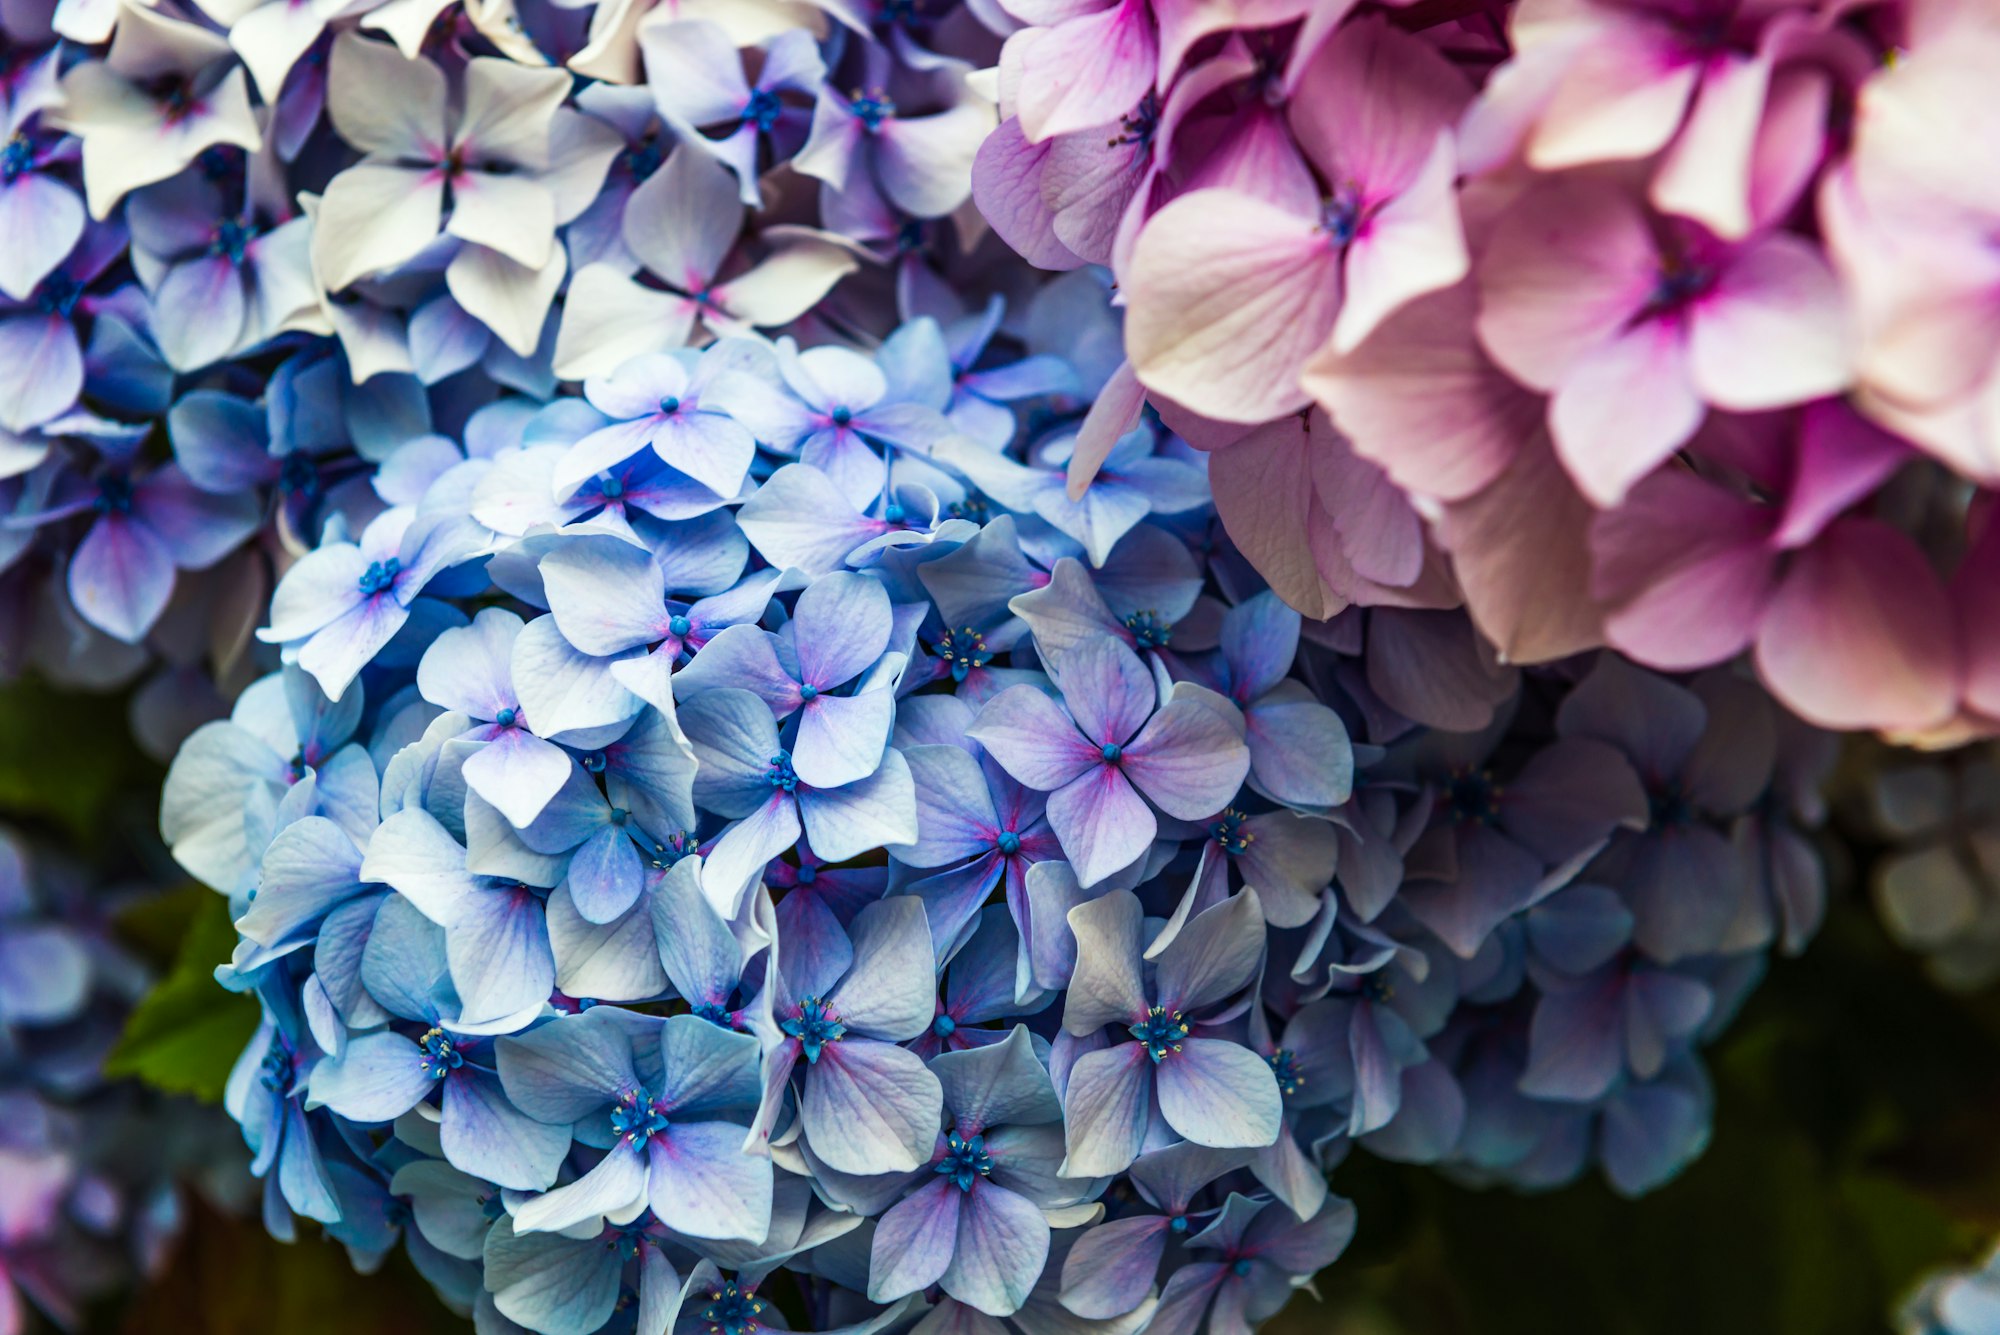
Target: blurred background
[[1856, 1143]]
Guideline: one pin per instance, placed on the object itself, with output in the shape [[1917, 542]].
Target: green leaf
[[188, 1031]]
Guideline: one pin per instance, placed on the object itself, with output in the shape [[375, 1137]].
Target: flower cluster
[[245, 240], [89, 1198], [748, 834], [1662, 327]]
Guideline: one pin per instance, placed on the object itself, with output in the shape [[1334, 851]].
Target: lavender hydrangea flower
[[1210, 1090], [655, 1098], [838, 636], [864, 1105], [341, 603], [976, 1228], [1108, 749], [745, 774]]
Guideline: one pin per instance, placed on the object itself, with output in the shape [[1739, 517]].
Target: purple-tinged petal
[[1189, 759], [121, 577], [1102, 822], [1106, 1110], [1214, 957], [702, 1184], [876, 812], [41, 369], [1033, 739], [870, 1108], [890, 991], [1003, 1243], [1106, 986], [915, 1241], [1110, 1269], [1220, 1094], [486, 1135]]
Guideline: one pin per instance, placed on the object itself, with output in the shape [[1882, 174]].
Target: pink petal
[[1380, 534], [1087, 71], [1859, 634], [1521, 551], [1686, 568], [1264, 495], [1841, 458], [1420, 399], [1706, 174], [1624, 408], [1372, 105], [1412, 245], [1773, 331], [1975, 590], [121, 577], [1227, 297], [1566, 269], [1007, 187], [1623, 97]]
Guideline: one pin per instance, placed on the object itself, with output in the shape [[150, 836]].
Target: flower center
[[714, 1012], [59, 294], [1112, 753], [1161, 1031], [1285, 1067], [678, 626], [1341, 215], [174, 95], [1178, 1224], [440, 1055], [808, 692], [1148, 630], [1137, 125], [16, 158], [1679, 282], [842, 416], [637, 1117], [944, 1026], [813, 1026], [299, 474], [873, 108], [1669, 806], [275, 1071], [780, 774], [1241, 1268], [114, 495], [1229, 832], [763, 109], [611, 489], [1009, 843], [732, 1311], [505, 718], [807, 874], [644, 158], [965, 649], [380, 576], [231, 240], [1471, 797], [965, 1161], [677, 847], [669, 406]]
